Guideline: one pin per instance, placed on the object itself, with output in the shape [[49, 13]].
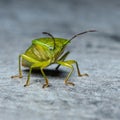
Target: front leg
[[78, 70], [68, 64]]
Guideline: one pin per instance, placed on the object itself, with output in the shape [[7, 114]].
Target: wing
[[38, 52]]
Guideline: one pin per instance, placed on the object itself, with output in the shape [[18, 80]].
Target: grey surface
[[96, 97]]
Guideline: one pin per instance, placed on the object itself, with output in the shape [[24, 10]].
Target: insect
[[46, 51]]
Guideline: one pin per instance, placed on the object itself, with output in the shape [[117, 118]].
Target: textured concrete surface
[[96, 97]]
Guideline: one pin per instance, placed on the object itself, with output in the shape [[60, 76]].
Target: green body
[[46, 51], [42, 50]]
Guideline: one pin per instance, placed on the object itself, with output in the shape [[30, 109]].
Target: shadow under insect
[[50, 73]]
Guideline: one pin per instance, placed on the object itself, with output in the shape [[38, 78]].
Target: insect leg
[[62, 59], [28, 78], [20, 71], [42, 65], [78, 70], [29, 59], [46, 80], [66, 64]]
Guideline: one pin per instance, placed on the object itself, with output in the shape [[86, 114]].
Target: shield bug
[[46, 51]]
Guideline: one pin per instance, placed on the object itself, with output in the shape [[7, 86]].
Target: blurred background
[[23, 20], [93, 98]]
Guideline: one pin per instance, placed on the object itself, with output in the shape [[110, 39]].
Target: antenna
[[51, 37], [81, 34]]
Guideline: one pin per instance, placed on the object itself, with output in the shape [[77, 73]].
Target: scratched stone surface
[[96, 97]]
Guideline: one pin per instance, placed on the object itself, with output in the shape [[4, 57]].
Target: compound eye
[[51, 48]]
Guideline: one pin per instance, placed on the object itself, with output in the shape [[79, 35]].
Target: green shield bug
[[46, 51]]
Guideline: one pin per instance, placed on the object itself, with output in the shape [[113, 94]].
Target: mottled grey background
[[96, 97]]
